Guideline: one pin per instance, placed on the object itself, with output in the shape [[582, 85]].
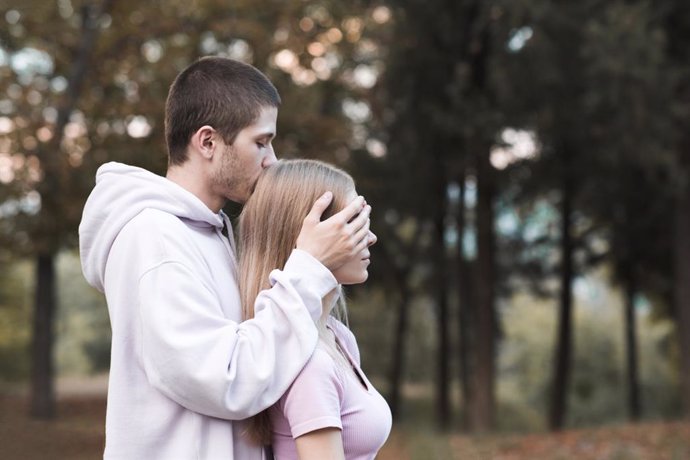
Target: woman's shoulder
[[319, 379], [320, 369]]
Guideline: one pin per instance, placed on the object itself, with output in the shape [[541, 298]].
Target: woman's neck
[[328, 303]]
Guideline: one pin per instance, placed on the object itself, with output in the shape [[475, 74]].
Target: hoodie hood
[[120, 194]]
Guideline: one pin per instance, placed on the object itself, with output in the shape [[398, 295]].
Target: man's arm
[[189, 339], [209, 364]]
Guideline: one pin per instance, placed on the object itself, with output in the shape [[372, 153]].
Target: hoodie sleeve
[[155, 250], [209, 364]]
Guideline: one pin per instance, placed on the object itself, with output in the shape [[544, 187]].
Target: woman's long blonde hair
[[268, 228]]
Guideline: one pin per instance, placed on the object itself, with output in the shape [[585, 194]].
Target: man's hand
[[338, 238]]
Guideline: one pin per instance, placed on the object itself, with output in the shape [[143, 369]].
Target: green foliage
[[118, 114], [15, 320], [598, 383], [82, 327], [594, 84]]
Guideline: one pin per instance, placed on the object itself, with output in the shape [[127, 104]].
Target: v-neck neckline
[[358, 374]]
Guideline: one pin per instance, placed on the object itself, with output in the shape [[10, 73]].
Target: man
[[184, 370]]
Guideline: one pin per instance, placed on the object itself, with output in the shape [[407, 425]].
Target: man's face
[[239, 165]]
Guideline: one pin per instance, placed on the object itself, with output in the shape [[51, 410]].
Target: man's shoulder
[[153, 231], [154, 221], [153, 215], [153, 237]]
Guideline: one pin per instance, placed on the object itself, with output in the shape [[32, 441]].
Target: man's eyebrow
[[265, 134]]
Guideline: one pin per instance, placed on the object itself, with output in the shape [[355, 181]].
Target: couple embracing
[[224, 352]]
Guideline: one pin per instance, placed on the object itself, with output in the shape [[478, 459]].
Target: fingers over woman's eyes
[[351, 210], [360, 220], [362, 232]]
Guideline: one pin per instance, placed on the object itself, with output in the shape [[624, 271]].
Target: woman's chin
[[357, 279]]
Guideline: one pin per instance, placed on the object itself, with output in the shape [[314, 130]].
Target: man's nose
[[269, 159]]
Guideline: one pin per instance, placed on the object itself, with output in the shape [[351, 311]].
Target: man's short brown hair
[[223, 93]]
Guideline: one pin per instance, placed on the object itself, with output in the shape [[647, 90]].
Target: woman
[[331, 411]]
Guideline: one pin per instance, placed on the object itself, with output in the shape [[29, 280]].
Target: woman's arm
[[324, 444]]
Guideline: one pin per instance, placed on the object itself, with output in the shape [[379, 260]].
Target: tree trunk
[[677, 32], [631, 347], [464, 309], [48, 241], [682, 292], [443, 408], [397, 369], [482, 404], [42, 389], [562, 356], [397, 277]]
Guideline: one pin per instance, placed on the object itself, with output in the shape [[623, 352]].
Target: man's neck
[[195, 182]]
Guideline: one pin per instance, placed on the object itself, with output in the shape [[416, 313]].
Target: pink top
[[325, 395]]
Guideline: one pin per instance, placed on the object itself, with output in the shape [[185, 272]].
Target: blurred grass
[[77, 434], [646, 441]]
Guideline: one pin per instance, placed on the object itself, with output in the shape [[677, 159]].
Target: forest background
[[528, 164]]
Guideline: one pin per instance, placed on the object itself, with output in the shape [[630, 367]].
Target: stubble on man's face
[[233, 177], [224, 177]]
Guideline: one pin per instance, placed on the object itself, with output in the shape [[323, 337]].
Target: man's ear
[[205, 141]]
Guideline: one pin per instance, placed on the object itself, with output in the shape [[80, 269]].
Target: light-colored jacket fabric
[[184, 370]]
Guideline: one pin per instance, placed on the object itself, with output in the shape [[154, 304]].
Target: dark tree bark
[[677, 28], [482, 406], [682, 291], [42, 387], [465, 322], [443, 408], [399, 351], [398, 280], [563, 353]]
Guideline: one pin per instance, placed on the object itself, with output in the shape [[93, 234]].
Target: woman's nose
[[372, 238]]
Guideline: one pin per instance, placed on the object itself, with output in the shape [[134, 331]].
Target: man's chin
[[237, 198]]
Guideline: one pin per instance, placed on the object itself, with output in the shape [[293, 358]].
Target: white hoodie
[[183, 368]]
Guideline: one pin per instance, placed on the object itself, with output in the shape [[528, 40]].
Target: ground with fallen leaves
[[77, 433]]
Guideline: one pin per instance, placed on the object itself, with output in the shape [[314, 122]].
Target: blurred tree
[[419, 155], [481, 95], [48, 226], [549, 74], [632, 134], [677, 26], [596, 85], [437, 115]]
